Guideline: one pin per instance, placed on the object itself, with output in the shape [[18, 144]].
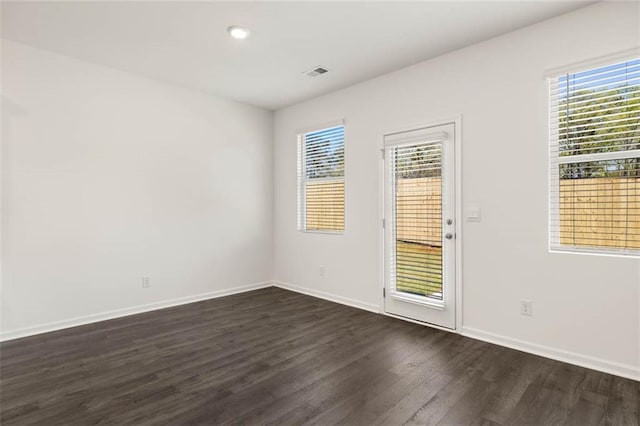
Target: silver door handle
[[448, 235]]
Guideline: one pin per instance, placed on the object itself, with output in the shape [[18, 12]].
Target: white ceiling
[[186, 42]]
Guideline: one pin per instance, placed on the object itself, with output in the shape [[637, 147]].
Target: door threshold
[[428, 324]]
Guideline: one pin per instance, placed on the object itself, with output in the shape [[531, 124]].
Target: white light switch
[[473, 214]]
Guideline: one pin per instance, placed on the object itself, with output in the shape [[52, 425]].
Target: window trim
[[301, 180], [600, 61], [554, 159]]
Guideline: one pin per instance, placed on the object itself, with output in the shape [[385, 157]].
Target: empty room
[[320, 213]]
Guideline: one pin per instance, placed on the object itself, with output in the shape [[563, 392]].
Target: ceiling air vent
[[316, 71]]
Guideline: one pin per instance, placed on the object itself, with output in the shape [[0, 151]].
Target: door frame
[[457, 123]]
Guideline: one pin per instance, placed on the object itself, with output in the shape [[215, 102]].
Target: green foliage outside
[[595, 121]]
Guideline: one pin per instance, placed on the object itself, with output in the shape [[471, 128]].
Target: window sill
[[312, 231], [627, 254]]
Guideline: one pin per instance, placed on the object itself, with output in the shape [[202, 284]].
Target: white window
[[595, 160], [321, 180]]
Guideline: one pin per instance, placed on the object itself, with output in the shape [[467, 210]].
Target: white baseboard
[[624, 370], [328, 296], [618, 369], [88, 319], [593, 363]]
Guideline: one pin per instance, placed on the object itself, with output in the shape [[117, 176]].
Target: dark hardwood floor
[[278, 357]]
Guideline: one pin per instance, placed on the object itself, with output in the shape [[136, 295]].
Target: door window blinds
[[415, 256], [321, 180], [595, 160]]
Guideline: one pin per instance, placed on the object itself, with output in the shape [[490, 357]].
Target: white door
[[420, 228]]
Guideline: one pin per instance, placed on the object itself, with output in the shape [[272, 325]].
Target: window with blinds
[[321, 180], [595, 160]]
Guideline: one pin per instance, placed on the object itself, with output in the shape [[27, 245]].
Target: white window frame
[[555, 160], [302, 179]]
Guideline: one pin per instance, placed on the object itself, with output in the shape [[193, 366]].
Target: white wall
[[108, 177], [586, 308]]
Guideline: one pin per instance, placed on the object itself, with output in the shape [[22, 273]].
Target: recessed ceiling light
[[238, 33]]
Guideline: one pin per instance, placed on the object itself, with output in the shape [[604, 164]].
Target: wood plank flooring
[[272, 356]]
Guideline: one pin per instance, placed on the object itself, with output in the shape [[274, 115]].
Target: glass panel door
[[419, 237]]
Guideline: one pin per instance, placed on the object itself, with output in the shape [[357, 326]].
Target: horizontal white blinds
[[416, 260], [321, 180], [595, 159]]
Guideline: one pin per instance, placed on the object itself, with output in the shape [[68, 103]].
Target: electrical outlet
[[526, 307], [146, 282], [322, 270]]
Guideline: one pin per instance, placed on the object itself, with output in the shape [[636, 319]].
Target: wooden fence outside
[[599, 212], [419, 210], [325, 205]]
